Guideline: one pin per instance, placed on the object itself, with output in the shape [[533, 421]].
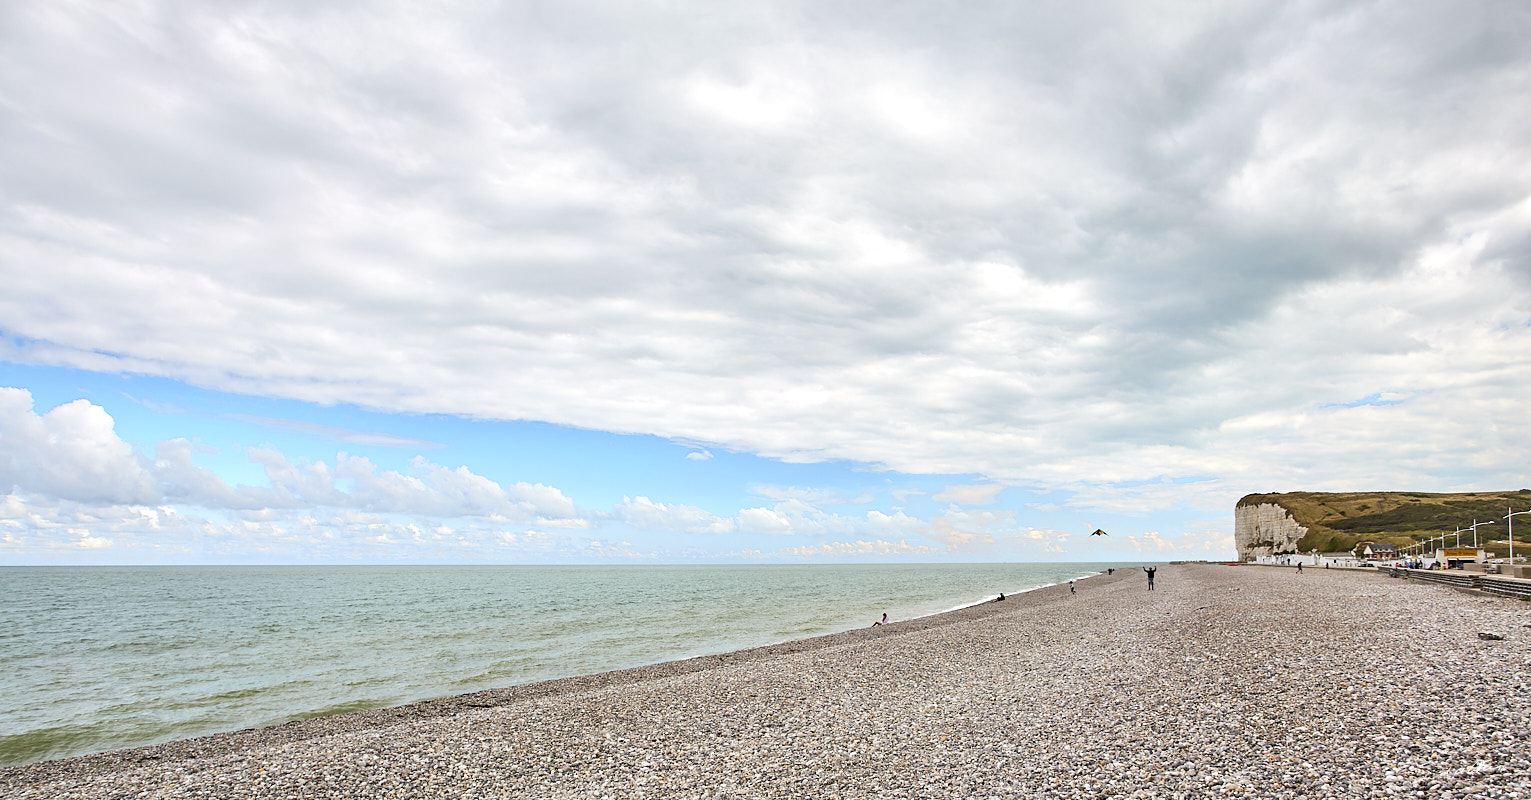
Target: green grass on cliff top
[[1340, 520]]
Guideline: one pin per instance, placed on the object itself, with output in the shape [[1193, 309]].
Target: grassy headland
[[1339, 521]]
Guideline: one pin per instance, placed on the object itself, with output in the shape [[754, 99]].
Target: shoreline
[[641, 621], [1223, 681], [215, 744]]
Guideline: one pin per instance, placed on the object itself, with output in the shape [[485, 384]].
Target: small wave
[[347, 707], [234, 694], [41, 743], [59, 741]]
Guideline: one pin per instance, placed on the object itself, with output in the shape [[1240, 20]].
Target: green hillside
[[1339, 521]]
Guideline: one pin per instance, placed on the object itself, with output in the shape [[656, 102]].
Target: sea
[[103, 658]]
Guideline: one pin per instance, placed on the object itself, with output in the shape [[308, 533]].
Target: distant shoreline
[[300, 724], [299, 730], [1220, 678]]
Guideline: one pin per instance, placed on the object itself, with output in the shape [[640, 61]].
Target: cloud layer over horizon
[[76, 487], [1154, 257]]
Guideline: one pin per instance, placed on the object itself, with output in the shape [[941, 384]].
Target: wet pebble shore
[[1224, 682]]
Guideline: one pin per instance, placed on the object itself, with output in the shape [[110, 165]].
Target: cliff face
[[1265, 529], [1337, 521]]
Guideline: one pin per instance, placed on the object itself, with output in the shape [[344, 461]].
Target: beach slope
[[1224, 681]]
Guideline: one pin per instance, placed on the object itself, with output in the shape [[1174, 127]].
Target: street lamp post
[[1475, 531], [1509, 522]]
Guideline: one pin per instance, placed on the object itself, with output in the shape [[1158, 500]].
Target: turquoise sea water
[[100, 658]]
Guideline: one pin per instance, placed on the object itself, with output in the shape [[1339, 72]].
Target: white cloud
[[40, 529], [803, 498], [966, 530], [89, 542], [876, 547], [975, 495], [429, 488], [1152, 543], [72, 452], [642, 512], [1145, 261], [898, 522], [615, 551], [795, 516], [765, 520], [182, 480]]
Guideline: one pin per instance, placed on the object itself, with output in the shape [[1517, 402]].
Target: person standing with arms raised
[[1150, 571]]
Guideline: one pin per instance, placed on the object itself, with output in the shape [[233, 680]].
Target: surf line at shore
[[299, 730], [368, 638], [1008, 595]]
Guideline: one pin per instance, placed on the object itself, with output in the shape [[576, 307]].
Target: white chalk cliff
[[1265, 529]]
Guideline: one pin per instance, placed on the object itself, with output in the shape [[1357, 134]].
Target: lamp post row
[[1509, 526]]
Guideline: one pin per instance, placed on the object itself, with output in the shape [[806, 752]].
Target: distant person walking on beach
[[1071, 587], [1150, 571], [1299, 566]]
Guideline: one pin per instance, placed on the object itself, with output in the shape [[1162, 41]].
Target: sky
[[586, 282]]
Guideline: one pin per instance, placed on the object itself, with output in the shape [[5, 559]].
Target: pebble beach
[[1222, 682]]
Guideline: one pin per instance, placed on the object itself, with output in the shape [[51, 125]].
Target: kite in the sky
[[1099, 532]]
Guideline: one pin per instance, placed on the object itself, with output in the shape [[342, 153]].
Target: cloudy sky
[[669, 282]]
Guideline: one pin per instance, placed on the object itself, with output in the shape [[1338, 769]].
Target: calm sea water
[[100, 658]]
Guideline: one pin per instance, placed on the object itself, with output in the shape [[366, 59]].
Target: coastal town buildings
[[1374, 551]]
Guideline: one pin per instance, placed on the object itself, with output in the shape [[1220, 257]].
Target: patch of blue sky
[[1373, 399], [596, 469]]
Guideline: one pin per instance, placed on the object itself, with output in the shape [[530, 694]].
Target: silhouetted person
[[1150, 571]]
